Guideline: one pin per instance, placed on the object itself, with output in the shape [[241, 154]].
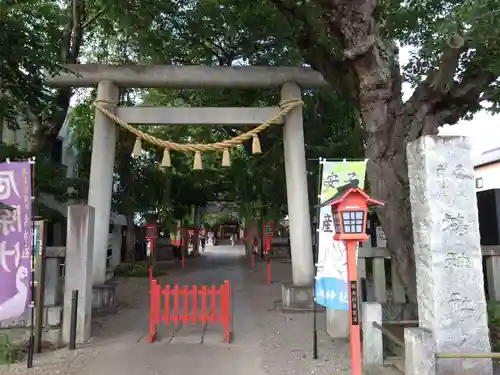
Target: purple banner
[[15, 239]]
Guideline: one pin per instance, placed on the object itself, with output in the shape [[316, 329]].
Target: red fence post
[[154, 309], [226, 310], [203, 316], [212, 318], [166, 312], [185, 307], [175, 293], [194, 305]]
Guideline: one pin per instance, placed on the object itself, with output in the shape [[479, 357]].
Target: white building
[[487, 170]]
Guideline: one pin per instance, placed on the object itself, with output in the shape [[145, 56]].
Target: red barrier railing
[[206, 314]]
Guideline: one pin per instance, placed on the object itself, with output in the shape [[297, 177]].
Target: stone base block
[[103, 298], [337, 323], [297, 298], [110, 273], [53, 316]]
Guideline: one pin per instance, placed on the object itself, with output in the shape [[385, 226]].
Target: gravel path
[[266, 340]]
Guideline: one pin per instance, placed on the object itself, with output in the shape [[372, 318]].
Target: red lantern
[[268, 235]]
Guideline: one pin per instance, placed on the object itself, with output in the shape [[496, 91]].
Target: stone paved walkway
[[266, 341]]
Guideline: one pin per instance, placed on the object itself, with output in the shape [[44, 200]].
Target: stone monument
[[78, 271], [450, 283]]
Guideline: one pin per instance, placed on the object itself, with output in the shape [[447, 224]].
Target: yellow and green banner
[[331, 276]]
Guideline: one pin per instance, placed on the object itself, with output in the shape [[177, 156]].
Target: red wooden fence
[[206, 314]]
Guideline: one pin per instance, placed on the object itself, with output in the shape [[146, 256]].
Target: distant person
[[203, 241], [232, 239], [255, 247]]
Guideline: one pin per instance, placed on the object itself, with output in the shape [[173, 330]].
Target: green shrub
[[9, 352], [138, 269], [494, 325]]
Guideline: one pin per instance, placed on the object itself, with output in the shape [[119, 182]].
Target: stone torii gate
[[109, 78]]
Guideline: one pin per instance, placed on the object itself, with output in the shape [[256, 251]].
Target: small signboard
[[150, 231], [354, 303], [381, 238]]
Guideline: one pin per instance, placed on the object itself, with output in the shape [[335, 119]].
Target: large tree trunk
[[395, 218], [130, 239], [372, 77]]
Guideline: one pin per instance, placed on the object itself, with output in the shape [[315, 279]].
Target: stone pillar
[[196, 237], [101, 178], [296, 188], [78, 275], [373, 344], [420, 352], [450, 283]]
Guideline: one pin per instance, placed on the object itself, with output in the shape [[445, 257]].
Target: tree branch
[[315, 51], [442, 79], [77, 31], [92, 19], [71, 41]]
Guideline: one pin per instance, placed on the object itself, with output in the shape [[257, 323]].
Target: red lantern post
[[150, 235], [268, 235], [349, 212]]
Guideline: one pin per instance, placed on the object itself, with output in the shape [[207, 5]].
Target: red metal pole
[[355, 337], [227, 311], [154, 310]]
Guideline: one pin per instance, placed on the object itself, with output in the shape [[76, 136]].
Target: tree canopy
[[453, 70], [219, 33]]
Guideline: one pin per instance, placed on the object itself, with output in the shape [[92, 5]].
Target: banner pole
[[31, 347], [315, 259]]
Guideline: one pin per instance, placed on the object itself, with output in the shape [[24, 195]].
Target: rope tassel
[[137, 151], [198, 165], [256, 149], [166, 161], [226, 158]]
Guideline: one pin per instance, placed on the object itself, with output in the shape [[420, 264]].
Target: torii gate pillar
[[101, 178], [297, 196]]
